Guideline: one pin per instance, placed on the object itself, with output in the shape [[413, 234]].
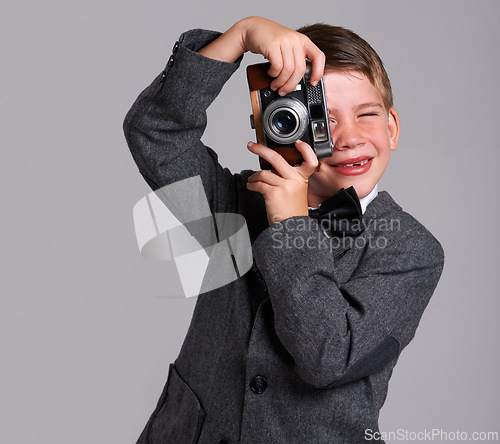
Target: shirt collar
[[367, 199]]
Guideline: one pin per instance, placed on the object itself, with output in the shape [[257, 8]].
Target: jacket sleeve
[[163, 128], [336, 331]]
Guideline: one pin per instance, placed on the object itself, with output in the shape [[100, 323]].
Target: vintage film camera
[[280, 121]]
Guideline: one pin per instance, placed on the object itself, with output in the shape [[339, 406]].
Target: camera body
[[280, 121]]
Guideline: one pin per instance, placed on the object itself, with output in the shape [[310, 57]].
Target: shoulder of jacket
[[384, 217]]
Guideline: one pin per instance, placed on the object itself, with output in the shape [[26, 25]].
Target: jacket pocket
[[179, 416]]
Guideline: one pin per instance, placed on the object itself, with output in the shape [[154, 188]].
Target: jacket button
[[176, 47], [170, 61], [258, 385]]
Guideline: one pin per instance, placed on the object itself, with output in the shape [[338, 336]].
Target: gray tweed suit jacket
[[301, 348]]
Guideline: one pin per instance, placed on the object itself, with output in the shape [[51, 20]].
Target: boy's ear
[[393, 127]]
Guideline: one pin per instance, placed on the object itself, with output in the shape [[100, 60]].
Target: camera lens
[[284, 122]]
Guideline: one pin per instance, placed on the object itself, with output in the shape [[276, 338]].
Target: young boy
[[301, 348]]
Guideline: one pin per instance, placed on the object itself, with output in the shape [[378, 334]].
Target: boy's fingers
[[276, 61], [260, 187], [282, 167], [318, 59], [298, 73], [265, 176], [308, 166], [287, 69]]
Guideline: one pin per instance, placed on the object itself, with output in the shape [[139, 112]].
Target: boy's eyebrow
[[361, 106], [369, 105]]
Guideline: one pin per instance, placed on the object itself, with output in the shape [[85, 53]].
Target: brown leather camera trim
[[291, 155], [257, 76], [257, 117]]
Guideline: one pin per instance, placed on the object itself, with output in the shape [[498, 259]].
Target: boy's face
[[364, 133]]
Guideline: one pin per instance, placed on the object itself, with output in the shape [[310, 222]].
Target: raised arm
[[165, 124]]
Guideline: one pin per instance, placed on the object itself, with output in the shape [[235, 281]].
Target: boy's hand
[[285, 189], [285, 49]]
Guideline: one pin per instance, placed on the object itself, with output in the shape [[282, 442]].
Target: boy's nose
[[347, 135]]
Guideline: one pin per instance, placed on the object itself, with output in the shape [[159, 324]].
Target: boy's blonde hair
[[346, 51]]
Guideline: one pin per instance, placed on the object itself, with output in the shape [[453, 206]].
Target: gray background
[[88, 327]]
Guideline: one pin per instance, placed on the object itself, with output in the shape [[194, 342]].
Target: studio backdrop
[[88, 326]]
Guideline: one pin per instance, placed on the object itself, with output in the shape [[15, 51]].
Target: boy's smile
[[364, 133]]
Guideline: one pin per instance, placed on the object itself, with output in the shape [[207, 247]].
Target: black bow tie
[[340, 214]]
